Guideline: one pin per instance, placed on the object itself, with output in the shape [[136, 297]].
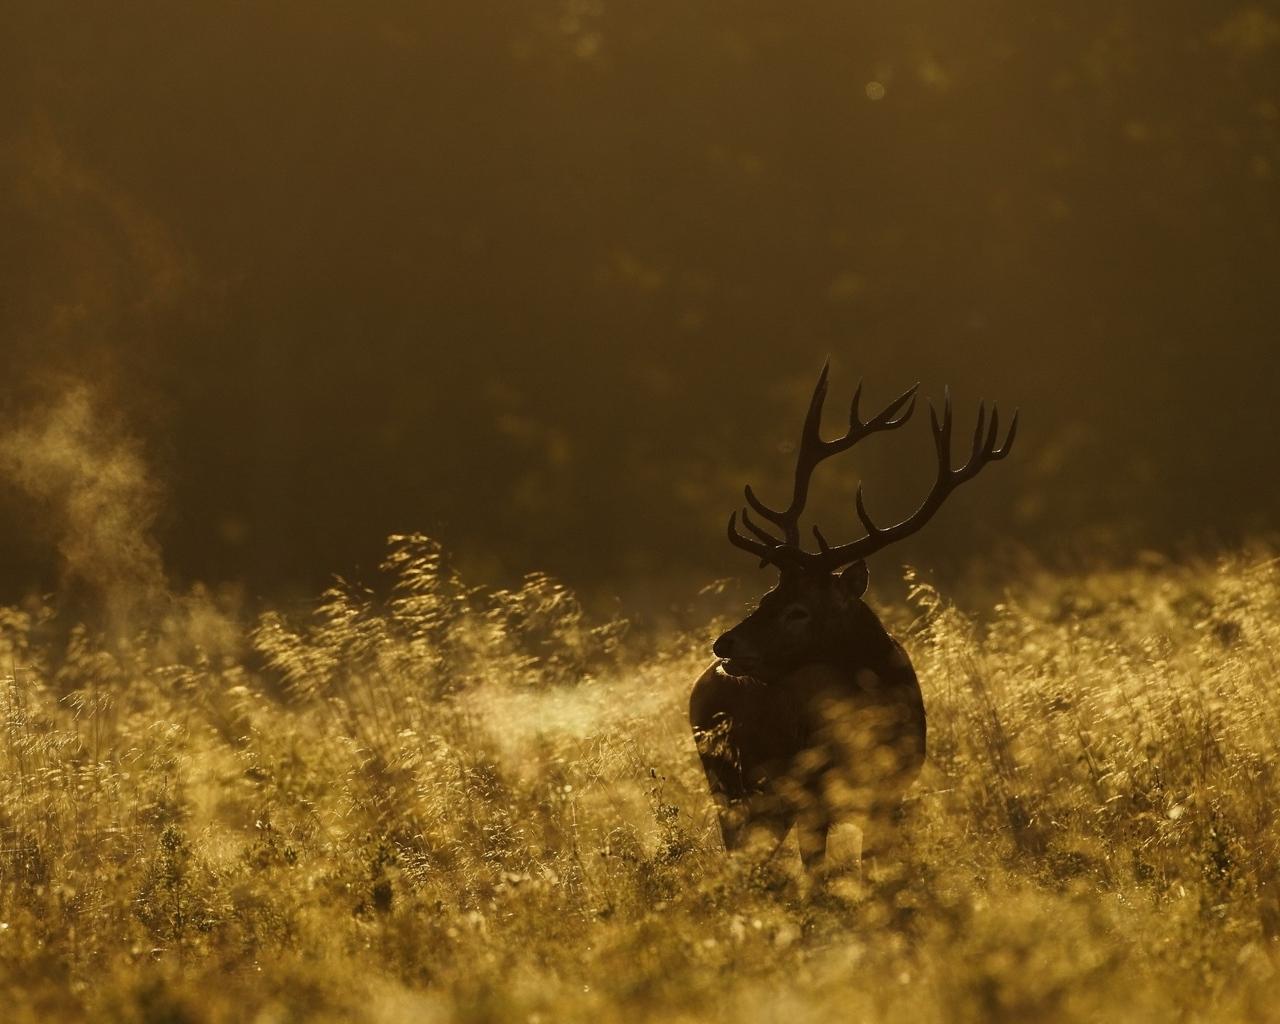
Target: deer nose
[[723, 647]]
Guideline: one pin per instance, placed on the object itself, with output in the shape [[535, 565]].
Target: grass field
[[452, 804]]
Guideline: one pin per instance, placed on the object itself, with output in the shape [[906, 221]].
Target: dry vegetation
[[461, 805]]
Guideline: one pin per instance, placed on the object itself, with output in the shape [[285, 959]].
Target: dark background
[[551, 280]]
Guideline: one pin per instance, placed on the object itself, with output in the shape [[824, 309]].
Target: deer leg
[[754, 830], [812, 826], [751, 824], [734, 818], [882, 833], [750, 820], [731, 802], [877, 836]]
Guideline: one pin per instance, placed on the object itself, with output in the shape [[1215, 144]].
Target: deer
[[811, 716]]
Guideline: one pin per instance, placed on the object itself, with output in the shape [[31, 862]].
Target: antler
[[785, 550]]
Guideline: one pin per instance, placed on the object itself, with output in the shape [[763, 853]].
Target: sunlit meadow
[[428, 801]]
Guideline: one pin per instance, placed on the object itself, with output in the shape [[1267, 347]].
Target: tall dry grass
[[446, 803]]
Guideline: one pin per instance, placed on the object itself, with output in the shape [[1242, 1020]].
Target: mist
[[88, 487]]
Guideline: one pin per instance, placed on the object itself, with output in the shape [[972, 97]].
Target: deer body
[[812, 715], [830, 736], [832, 741]]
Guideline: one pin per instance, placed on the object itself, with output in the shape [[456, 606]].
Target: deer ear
[[853, 582]]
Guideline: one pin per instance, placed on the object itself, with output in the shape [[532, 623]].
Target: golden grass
[[456, 805]]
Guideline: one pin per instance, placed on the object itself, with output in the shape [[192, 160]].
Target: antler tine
[[907, 413], [810, 442], [1004, 450], [813, 418], [778, 554], [863, 516], [984, 449], [942, 431], [771, 514], [855, 421], [885, 420], [994, 432], [761, 551], [761, 534], [978, 432], [812, 451]]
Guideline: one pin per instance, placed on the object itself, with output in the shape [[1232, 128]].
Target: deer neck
[[861, 641]]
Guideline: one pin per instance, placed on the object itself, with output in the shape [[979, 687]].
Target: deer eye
[[796, 613]]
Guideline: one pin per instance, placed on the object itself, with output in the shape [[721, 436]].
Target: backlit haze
[[550, 281]]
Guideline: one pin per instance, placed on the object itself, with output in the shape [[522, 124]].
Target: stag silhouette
[[812, 715]]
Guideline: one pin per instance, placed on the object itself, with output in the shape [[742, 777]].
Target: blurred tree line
[[551, 280]]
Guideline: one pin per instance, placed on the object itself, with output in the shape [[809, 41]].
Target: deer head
[[817, 601]]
